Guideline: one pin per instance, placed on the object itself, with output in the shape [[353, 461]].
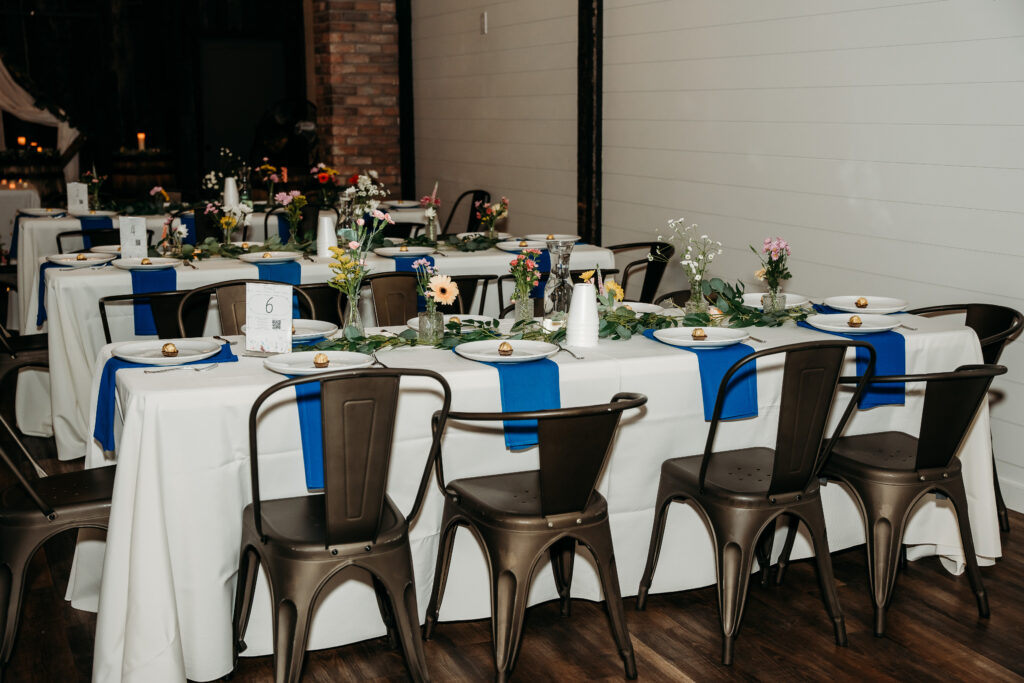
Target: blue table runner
[[147, 282], [527, 386], [90, 223], [741, 394], [890, 359]]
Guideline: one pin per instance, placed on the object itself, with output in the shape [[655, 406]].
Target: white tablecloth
[[169, 569], [37, 241], [76, 331], [10, 202]]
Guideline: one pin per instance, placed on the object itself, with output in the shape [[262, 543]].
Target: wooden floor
[[934, 633]]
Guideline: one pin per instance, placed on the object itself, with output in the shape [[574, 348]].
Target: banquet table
[[38, 240], [166, 575], [76, 331], [10, 202]]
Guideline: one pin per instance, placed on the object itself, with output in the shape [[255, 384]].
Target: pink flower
[[155, 191], [210, 208], [294, 193], [274, 178], [353, 245], [360, 222], [378, 214], [283, 198]]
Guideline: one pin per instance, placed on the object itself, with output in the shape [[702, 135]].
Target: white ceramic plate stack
[[876, 304], [151, 351], [414, 323], [72, 260], [275, 257], [106, 249], [753, 300], [715, 337], [517, 246], [402, 204], [40, 212], [306, 330], [393, 252], [94, 213], [523, 350], [553, 237], [155, 263], [499, 235], [301, 362], [840, 322]]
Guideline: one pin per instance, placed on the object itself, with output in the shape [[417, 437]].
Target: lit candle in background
[[12, 185], [33, 144], [142, 141], [21, 141], [39, 149]]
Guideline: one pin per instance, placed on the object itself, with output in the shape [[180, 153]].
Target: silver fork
[[571, 353], [306, 257], [908, 327], [226, 341], [376, 361], [753, 338], [190, 265], [439, 253]]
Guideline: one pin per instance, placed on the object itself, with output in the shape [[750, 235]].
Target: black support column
[[588, 117]]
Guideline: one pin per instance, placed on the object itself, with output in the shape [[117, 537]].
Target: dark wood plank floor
[[933, 633]]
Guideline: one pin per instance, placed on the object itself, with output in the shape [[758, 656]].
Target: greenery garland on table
[[478, 243]]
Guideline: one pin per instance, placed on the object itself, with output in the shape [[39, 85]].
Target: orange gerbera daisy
[[443, 290]]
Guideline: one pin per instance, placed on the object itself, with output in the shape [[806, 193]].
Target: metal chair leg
[[657, 535]]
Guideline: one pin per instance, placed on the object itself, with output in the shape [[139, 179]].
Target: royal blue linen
[[189, 221], [526, 386], [544, 266], [41, 307], [741, 394], [89, 223], [307, 399], [890, 359], [290, 272], [828, 310], [146, 282], [103, 430], [284, 230]]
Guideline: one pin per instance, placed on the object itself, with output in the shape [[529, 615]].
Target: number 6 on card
[[268, 317]]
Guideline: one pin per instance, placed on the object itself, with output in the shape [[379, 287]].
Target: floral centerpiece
[[350, 267], [431, 204], [231, 219], [773, 255], [171, 238], [293, 203], [94, 181], [270, 176], [697, 251], [435, 289], [609, 292], [328, 179], [363, 195], [526, 273], [158, 195], [490, 214]]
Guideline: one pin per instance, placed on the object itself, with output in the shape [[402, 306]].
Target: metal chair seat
[[882, 456], [514, 501], [297, 525], [744, 474], [71, 494]]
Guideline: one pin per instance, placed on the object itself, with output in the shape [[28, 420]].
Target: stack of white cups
[[326, 233], [230, 193], [582, 324]]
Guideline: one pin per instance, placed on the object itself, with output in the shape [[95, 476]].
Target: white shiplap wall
[[883, 139], [498, 111]]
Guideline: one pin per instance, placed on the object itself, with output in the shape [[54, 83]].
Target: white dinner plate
[[72, 260], [639, 307], [275, 257], [247, 245], [553, 237], [516, 246], [414, 323], [40, 212], [499, 235], [402, 204], [94, 213], [716, 337], [301, 362], [753, 300], [523, 350], [155, 263], [306, 330], [106, 249], [876, 304], [392, 252], [839, 322], [151, 351]]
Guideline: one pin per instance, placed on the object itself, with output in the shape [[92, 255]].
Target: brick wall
[[355, 52]]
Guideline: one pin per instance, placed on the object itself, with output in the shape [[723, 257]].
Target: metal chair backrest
[[164, 306], [327, 301], [996, 326], [394, 297], [951, 400], [231, 303], [653, 266], [678, 297], [574, 445], [358, 408], [99, 237], [8, 383], [811, 376], [475, 196]]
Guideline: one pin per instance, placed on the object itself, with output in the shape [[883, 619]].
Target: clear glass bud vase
[[524, 307], [353, 318], [558, 290], [431, 327], [773, 302]]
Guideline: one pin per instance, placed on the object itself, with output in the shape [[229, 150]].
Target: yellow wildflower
[[615, 288], [585, 277]]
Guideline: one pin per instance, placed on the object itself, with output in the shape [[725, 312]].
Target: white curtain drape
[[17, 101]]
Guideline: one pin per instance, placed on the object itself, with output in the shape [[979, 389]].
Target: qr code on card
[[275, 324]]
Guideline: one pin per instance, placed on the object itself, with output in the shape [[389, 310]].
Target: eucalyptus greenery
[[478, 243]]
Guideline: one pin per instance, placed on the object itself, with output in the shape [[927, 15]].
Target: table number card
[[78, 198], [268, 317], [133, 237]]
